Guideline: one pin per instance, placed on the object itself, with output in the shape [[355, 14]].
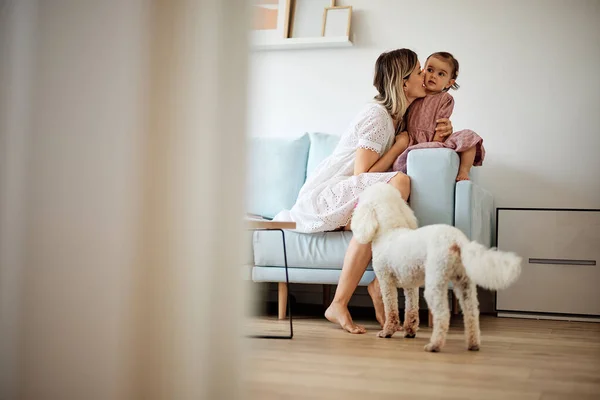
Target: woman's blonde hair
[[391, 69]]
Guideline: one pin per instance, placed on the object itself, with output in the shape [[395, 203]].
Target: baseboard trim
[[549, 317]]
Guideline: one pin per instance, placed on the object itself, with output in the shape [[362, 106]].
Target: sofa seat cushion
[[306, 276], [324, 250]]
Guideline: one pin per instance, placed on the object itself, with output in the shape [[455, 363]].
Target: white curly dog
[[407, 257]]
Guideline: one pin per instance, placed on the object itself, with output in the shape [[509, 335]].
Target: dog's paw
[[410, 331], [431, 347], [473, 347], [385, 333]]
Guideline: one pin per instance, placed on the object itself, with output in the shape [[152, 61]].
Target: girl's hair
[[449, 58], [391, 69]]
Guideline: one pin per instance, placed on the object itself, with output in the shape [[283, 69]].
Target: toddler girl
[[441, 71]]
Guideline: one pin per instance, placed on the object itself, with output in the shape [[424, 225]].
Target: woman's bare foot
[[463, 175], [339, 314], [375, 293]]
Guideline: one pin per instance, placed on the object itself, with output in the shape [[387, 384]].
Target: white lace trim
[[367, 144]]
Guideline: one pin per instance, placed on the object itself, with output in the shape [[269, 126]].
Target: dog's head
[[380, 208]]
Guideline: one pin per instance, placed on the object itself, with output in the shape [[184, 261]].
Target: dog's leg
[[411, 312], [466, 291], [437, 300], [389, 292]]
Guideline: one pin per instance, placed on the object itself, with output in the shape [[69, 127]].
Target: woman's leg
[[375, 292], [467, 158], [402, 183], [355, 263]]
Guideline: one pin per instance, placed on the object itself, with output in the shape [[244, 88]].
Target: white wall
[[529, 87]]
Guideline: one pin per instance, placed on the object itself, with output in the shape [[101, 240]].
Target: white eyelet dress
[[329, 195]]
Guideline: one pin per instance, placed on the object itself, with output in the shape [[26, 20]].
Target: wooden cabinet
[[561, 253]]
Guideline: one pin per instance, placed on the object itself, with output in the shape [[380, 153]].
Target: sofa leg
[[282, 299], [326, 296], [430, 320]]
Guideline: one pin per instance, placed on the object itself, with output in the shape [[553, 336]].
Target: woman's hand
[[443, 128], [401, 137], [400, 142]]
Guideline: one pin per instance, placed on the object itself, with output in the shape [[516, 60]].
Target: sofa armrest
[[433, 179], [474, 212]]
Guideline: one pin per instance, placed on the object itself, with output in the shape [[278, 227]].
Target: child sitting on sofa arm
[[441, 71]]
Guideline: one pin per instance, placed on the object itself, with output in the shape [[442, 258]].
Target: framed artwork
[[306, 17], [270, 22], [336, 21]]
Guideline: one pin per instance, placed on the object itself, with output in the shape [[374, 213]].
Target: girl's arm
[[369, 161]]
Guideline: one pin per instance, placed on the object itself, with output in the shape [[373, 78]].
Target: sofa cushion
[[304, 275], [277, 170], [321, 146], [324, 250]]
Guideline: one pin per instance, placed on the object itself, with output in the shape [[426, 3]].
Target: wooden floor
[[519, 359]]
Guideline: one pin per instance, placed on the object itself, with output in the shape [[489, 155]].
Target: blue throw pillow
[[277, 170], [321, 147]]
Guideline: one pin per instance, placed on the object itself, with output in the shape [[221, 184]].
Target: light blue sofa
[[277, 171]]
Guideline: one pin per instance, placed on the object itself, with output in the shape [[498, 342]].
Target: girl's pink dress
[[420, 125]]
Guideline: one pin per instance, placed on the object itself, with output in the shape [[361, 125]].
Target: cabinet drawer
[[561, 256]]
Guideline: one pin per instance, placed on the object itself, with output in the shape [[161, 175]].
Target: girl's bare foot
[[339, 314], [467, 158], [375, 293], [463, 175]]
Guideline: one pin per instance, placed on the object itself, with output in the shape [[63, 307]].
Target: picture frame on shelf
[[270, 23], [306, 17], [337, 21]]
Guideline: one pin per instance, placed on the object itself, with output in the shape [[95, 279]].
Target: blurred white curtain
[[121, 197], [17, 29]]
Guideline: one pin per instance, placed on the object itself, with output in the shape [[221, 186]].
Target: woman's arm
[[443, 129], [369, 161]]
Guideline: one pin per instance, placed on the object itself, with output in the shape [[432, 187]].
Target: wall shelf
[[302, 43]]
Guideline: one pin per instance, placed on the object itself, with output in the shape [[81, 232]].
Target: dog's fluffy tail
[[490, 268]]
